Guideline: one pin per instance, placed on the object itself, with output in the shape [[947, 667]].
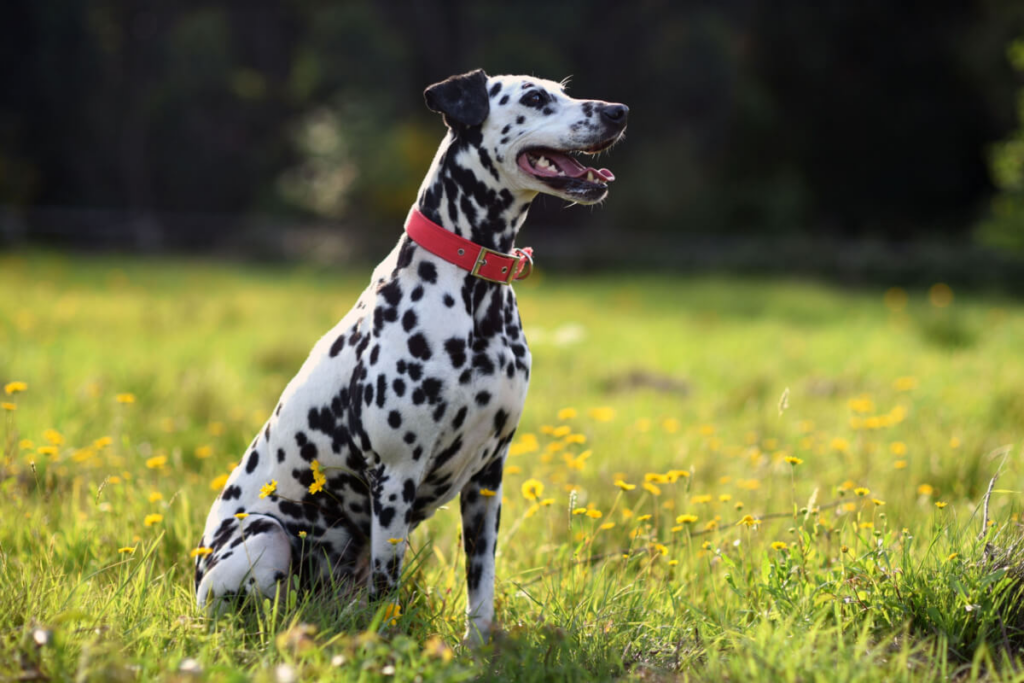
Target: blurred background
[[869, 141]]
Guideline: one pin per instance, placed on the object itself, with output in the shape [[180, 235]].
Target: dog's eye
[[534, 98]]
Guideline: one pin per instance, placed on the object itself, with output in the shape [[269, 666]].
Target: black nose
[[615, 114]]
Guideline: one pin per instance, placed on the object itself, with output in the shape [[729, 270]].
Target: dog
[[414, 397]]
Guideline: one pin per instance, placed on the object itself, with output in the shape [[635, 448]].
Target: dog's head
[[534, 131]]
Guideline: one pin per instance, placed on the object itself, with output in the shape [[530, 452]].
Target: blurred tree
[[1004, 228]]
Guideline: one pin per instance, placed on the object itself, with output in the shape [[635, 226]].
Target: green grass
[[910, 402]]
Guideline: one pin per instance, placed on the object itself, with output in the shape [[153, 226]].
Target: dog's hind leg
[[480, 502], [249, 554]]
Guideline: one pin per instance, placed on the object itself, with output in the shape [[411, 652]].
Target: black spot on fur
[[408, 490], [409, 320], [418, 347], [495, 89], [483, 398], [427, 272], [399, 386], [337, 346], [503, 100], [460, 417], [254, 460], [456, 350], [231, 492], [395, 419], [387, 515], [448, 300]]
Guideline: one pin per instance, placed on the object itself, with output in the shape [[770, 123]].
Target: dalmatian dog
[[414, 397]]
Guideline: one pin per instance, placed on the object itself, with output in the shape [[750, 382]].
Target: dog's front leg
[[393, 492], [480, 501]]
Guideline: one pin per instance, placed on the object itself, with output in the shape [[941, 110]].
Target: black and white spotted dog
[[413, 398]]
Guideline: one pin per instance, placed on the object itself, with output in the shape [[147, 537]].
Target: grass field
[[742, 480]]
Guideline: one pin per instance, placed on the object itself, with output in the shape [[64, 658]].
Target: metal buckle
[[481, 261]]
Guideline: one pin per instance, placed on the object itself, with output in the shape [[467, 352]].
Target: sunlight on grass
[[713, 479]]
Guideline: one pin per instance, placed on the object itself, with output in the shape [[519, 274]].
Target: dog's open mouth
[[565, 173]]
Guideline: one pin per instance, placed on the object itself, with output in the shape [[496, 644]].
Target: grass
[[814, 462]]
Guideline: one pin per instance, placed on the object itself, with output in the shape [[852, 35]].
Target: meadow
[[714, 479]]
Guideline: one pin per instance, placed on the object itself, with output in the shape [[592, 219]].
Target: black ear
[[462, 99]]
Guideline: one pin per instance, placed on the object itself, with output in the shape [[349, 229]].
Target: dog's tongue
[[573, 168]]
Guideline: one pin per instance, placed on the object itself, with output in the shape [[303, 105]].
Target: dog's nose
[[615, 114]]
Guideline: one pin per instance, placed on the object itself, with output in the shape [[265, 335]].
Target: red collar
[[486, 264]]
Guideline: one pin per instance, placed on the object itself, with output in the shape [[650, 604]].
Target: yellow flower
[[435, 647], [547, 502], [302, 534], [215, 428], [652, 489], [725, 498], [840, 444], [707, 430], [670, 425], [662, 549], [954, 442], [126, 398], [156, 462], [152, 519], [566, 414], [561, 430], [675, 475], [861, 491], [128, 549], [748, 484], [12, 388], [675, 529], [940, 504], [26, 444], [878, 502], [925, 490], [532, 510], [203, 452], [779, 545], [532, 489], [904, 383], [54, 437], [861, 405], [200, 552], [392, 612], [394, 541], [47, 450], [900, 464], [643, 518], [513, 469], [102, 442], [844, 549], [268, 489], [673, 563], [487, 493], [114, 480], [218, 483], [155, 496], [624, 486], [952, 557], [738, 505], [241, 515], [606, 526], [10, 407], [703, 498], [602, 414], [595, 514], [686, 519], [319, 479], [580, 511], [576, 438], [655, 478], [748, 521], [898, 448], [793, 460]]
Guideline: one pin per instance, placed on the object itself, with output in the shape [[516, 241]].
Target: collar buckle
[[512, 269]]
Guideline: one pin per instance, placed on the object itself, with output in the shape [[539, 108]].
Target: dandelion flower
[[670, 425], [566, 414], [302, 534], [532, 489], [488, 493], [900, 464], [748, 521], [898, 448], [606, 526], [840, 444], [954, 442], [218, 482], [580, 511], [26, 444], [547, 502], [513, 469], [952, 557], [724, 498], [203, 452], [155, 496], [703, 498], [562, 430], [130, 549], [673, 563], [779, 545], [200, 552], [241, 515], [9, 407], [861, 491], [652, 489], [576, 438], [602, 414], [126, 398], [878, 502], [686, 519], [925, 490], [392, 612], [102, 442], [54, 437], [595, 514], [268, 488], [152, 519], [655, 478], [156, 462], [940, 504], [394, 541], [12, 388], [661, 549], [643, 518], [792, 460], [47, 450], [624, 486]]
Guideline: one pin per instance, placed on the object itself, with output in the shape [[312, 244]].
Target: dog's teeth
[[590, 176]]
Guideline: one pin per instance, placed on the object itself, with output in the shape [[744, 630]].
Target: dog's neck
[[462, 192]]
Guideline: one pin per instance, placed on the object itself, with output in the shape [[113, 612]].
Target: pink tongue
[[571, 167]]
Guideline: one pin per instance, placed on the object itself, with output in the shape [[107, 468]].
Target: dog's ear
[[462, 99]]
